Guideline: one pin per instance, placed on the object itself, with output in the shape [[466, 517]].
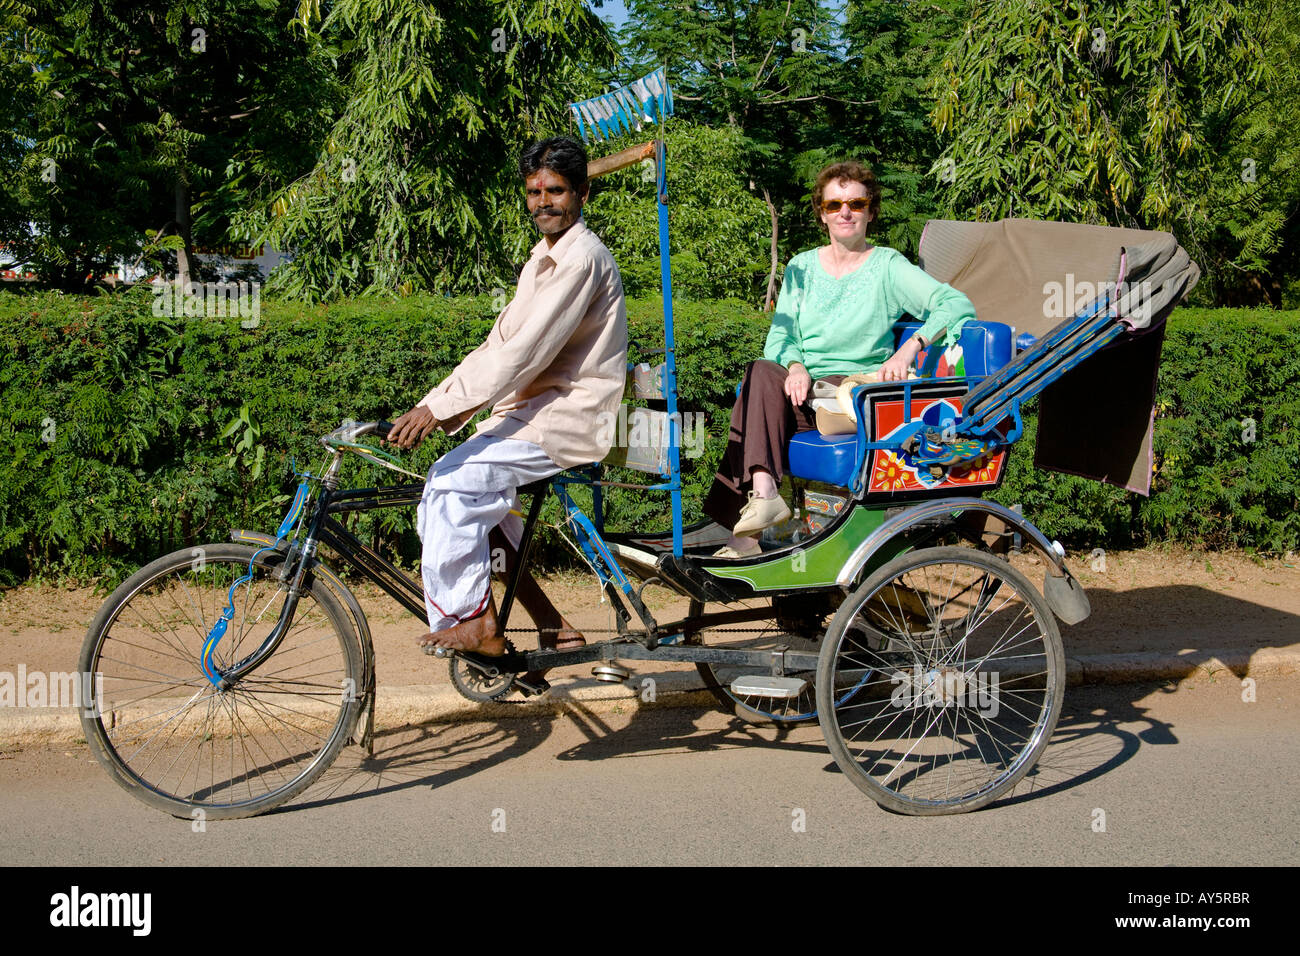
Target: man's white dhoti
[[469, 491]]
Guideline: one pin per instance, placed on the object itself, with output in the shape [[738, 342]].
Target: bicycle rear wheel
[[965, 662], [175, 741]]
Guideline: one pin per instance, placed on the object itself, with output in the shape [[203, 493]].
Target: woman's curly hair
[[850, 170]]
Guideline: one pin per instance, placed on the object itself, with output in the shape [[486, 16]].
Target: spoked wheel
[[762, 636], [960, 676], [178, 743]]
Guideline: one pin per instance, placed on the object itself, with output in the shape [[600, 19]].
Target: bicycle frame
[[654, 641]]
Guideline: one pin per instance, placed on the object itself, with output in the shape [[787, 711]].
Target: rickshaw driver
[[553, 365]]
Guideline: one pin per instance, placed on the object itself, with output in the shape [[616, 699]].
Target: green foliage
[[773, 73], [122, 117], [415, 187], [118, 424], [893, 50], [804, 85], [1267, 228], [376, 139], [1227, 446], [247, 449], [718, 226], [1228, 432], [1130, 113]]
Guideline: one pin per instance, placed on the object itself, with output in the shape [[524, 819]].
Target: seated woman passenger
[[834, 317]]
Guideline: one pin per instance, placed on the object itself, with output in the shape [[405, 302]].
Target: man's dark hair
[[560, 154]]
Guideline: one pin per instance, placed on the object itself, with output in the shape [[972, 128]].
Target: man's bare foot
[[564, 638], [478, 635]]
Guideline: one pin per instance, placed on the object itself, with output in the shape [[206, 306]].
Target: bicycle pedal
[[435, 651], [533, 688]]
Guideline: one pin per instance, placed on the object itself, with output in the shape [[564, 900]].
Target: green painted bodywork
[[819, 564]]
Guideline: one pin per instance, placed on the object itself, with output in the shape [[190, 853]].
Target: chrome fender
[[1064, 595]]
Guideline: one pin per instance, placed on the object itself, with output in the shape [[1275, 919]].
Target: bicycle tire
[[928, 755], [303, 701]]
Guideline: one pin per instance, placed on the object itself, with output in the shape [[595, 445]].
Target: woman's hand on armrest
[[798, 383], [896, 366]]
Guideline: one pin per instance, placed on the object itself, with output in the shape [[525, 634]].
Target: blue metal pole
[[670, 363]]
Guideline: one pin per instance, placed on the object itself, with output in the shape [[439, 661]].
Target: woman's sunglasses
[[856, 205]]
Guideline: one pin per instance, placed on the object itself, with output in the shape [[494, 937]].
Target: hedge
[[114, 420]]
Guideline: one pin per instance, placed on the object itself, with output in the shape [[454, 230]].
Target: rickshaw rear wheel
[[946, 675]]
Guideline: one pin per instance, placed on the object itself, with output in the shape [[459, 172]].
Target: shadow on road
[[1179, 620], [1094, 736]]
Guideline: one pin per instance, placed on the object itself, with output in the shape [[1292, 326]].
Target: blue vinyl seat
[[985, 348]]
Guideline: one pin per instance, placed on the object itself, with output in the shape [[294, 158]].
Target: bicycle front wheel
[[176, 741]]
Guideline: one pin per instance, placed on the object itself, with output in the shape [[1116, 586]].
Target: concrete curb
[[1199, 665], [404, 706]]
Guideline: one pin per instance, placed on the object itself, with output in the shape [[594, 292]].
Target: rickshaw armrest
[[984, 348]]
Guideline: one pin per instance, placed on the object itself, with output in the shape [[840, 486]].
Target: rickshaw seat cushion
[[986, 346], [827, 458]]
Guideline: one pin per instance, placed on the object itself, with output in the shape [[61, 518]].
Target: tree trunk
[[184, 256], [769, 302]]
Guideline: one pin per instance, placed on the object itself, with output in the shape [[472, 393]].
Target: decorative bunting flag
[[646, 100]]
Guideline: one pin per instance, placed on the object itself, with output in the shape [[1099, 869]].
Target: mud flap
[[1066, 597], [364, 733]]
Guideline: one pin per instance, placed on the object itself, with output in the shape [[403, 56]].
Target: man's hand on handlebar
[[413, 427], [798, 383]]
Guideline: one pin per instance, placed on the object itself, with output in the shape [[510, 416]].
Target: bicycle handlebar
[[351, 431]]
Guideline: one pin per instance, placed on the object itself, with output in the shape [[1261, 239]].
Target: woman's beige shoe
[[729, 552], [760, 513]]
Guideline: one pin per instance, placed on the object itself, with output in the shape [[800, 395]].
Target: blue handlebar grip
[[299, 499]]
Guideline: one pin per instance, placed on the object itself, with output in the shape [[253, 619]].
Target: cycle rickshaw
[[234, 674]]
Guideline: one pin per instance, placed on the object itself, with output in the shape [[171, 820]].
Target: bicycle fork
[[225, 680], [232, 675]]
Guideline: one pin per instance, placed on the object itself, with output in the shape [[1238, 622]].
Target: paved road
[[1187, 778]]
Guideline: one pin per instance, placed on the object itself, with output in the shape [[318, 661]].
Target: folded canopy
[[1096, 421]]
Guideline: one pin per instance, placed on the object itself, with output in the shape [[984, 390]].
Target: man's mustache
[[547, 211]]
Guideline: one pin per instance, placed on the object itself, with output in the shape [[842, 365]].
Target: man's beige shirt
[[555, 362]]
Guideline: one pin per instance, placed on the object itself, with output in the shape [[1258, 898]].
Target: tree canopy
[[375, 140], [1151, 115], [128, 112], [414, 185]]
